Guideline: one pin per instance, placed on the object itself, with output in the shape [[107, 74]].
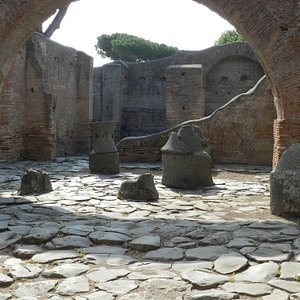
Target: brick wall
[[271, 27], [239, 132], [12, 110], [46, 103], [231, 76], [184, 94], [143, 95]]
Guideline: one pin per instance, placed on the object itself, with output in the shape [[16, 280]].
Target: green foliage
[[122, 46], [229, 36]]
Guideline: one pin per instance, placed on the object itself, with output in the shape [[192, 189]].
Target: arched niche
[[228, 78]]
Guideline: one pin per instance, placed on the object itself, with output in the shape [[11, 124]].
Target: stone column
[[104, 157]]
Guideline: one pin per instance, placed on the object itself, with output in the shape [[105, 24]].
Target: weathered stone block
[[285, 183], [35, 182], [104, 157], [185, 164], [141, 189]]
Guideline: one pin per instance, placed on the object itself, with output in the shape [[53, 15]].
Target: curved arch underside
[[272, 27]]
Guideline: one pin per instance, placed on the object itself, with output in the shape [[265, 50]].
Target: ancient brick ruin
[[45, 102], [238, 132], [145, 98], [271, 27], [87, 240], [47, 106]]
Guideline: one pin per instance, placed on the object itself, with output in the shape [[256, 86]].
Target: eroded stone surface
[[204, 280], [194, 236], [250, 289]]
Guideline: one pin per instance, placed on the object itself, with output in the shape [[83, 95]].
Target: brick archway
[[272, 27]]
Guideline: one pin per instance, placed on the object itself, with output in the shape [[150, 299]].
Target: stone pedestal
[[185, 164], [285, 184], [104, 157]]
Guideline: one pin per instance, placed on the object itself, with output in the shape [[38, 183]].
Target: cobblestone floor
[[81, 242]]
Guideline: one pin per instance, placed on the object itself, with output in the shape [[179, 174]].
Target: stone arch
[[229, 77], [271, 27]]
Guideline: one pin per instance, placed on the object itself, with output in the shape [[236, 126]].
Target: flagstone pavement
[[81, 242]]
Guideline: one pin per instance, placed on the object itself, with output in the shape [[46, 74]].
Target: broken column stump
[[185, 164], [285, 184], [141, 189], [35, 181], [104, 157]]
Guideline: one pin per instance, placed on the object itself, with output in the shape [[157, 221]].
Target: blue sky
[[181, 23]]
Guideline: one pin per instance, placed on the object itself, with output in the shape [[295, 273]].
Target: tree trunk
[[55, 24]]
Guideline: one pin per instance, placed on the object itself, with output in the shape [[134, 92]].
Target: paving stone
[[149, 275], [117, 287], [223, 227], [169, 287], [211, 295], [183, 266], [4, 225], [149, 266], [104, 274], [8, 238], [290, 230], [296, 243], [290, 270], [41, 234], [23, 230], [249, 289], [53, 255], [26, 251], [34, 289], [267, 225], [247, 250], [197, 234], [204, 280], [5, 280], [110, 238], [18, 269], [65, 270], [258, 273], [145, 243], [7, 201], [297, 255], [218, 238], [277, 295], [165, 254], [103, 249], [241, 243], [81, 230], [69, 242], [267, 254], [289, 286], [73, 285], [100, 296], [206, 252], [230, 263], [95, 259], [120, 260], [175, 219], [5, 296]]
